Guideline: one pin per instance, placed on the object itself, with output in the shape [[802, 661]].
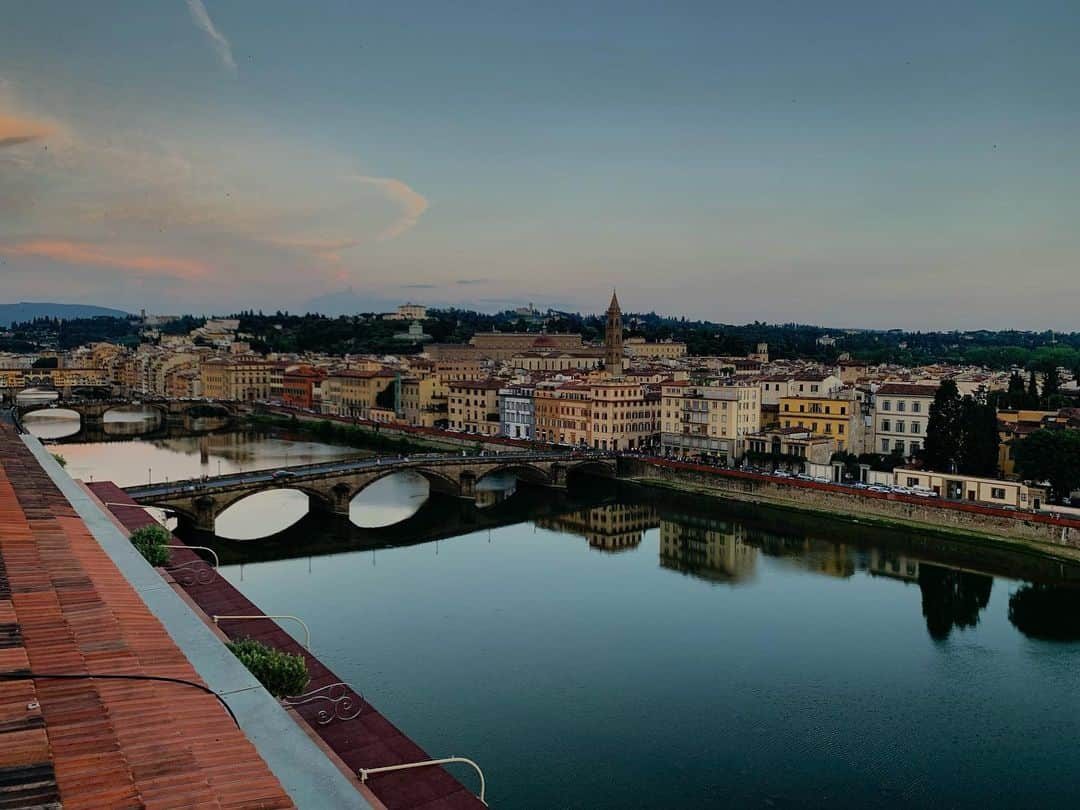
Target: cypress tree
[[943, 429]]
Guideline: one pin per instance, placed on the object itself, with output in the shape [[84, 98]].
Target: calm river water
[[619, 650]]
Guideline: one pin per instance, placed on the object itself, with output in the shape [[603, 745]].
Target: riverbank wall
[[1041, 533], [422, 438]]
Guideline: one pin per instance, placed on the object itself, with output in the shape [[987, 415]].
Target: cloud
[[70, 252], [472, 281], [328, 249], [16, 129], [412, 204], [202, 19]]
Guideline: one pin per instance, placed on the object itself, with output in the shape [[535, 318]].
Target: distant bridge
[[331, 486], [170, 411]]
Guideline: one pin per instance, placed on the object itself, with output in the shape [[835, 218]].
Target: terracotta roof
[[907, 390], [66, 608]]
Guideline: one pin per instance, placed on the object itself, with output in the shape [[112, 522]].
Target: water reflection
[[951, 598], [262, 514], [610, 527], [708, 550], [51, 423], [173, 457], [1050, 612], [389, 500]]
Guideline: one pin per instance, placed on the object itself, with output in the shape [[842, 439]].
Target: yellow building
[[423, 401], [473, 406], [708, 421], [832, 418], [348, 392], [241, 379], [1013, 426]]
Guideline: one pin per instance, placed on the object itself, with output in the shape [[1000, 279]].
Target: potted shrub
[[151, 542], [282, 673]]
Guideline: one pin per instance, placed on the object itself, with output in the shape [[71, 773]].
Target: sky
[[845, 163]]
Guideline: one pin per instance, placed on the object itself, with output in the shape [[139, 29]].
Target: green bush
[[151, 542], [280, 672], [60, 459]]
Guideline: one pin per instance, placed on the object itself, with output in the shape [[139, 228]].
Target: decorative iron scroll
[[195, 572], [342, 703]]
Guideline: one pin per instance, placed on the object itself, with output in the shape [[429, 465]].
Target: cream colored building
[[708, 421], [641, 349], [624, 416], [990, 491], [900, 417], [407, 312]]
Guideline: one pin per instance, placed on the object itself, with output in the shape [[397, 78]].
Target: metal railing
[[307, 632], [364, 773], [342, 706]]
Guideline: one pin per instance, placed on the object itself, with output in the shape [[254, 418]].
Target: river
[[616, 649]]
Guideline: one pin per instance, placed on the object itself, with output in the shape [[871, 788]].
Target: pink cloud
[[412, 203], [86, 253], [15, 130]]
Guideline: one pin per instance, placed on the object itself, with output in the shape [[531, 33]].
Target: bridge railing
[[406, 462]]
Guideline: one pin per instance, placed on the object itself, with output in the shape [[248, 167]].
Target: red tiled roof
[[100, 744], [907, 390]]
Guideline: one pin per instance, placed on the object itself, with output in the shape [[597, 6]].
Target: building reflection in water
[[712, 550], [611, 527], [807, 553]]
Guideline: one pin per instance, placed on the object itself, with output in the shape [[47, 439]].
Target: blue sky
[[846, 163]]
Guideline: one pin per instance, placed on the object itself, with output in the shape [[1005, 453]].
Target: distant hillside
[[27, 311]]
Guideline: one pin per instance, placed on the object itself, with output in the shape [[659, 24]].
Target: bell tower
[[613, 345]]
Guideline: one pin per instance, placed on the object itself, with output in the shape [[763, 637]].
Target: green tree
[[1051, 384], [943, 430], [1033, 391], [1016, 396], [1051, 455], [979, 439]]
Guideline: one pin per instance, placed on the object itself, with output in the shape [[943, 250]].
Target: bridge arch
[[437, 481], [523, 470]]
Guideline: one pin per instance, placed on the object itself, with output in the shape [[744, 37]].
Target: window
[[913, 448], [901, 405], [884, 445], [916, 407], [886, 425], [912, 482], [914, 427], [997, 493], [886, 405], [899, 426]]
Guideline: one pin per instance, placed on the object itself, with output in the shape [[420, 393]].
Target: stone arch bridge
[[172, 411], [331, 486]]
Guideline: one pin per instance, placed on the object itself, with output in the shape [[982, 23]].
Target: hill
[[27, 311]]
